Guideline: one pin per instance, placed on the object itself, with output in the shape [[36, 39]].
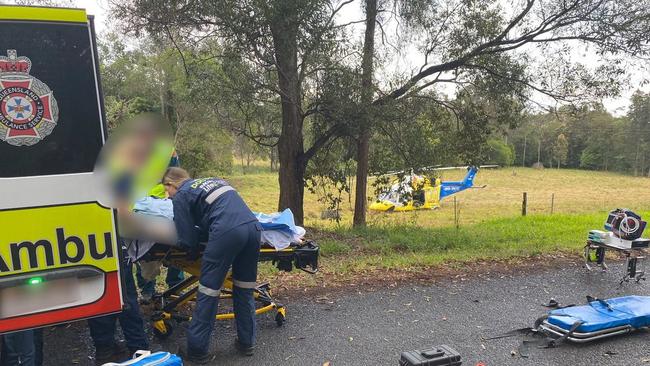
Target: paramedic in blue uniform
[[210, 207]]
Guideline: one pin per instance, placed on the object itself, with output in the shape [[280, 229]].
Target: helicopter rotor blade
[[433, 168]]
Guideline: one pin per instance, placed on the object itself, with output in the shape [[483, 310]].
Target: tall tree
[[285, 38], [560, 150], [367, 92], [463, 40], [292, 44], [639, 115]]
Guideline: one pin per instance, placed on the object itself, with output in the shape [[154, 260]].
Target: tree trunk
[[290, 144], [166, 107], [361, 194], [363, 144], [243, 168], [273, 159]]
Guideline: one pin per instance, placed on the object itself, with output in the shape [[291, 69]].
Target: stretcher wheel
[[163, 333], [280, 317]]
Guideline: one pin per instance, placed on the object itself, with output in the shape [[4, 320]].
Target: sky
[[407, 61]]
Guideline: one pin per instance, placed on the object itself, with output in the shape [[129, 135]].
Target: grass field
[[490, 221]]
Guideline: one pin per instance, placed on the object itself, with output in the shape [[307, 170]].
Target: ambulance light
[[35, 280]]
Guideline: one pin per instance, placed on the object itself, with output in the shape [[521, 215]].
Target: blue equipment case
[[599, 318], [146, 358]]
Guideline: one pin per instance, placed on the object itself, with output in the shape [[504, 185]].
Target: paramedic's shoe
[[244, 349], [198, 360], [116, 353]]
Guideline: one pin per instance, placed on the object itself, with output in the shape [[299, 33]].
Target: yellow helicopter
[[417, 192]]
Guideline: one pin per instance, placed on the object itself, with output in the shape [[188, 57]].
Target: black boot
[[194, 358], [245, 350], [118, 352]]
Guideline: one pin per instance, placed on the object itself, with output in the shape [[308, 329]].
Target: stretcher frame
[[634, 260], [579, 337], [303, 256]]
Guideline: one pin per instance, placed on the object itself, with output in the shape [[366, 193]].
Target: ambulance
[[59, 254]]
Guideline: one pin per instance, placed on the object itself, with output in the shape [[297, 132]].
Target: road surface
[[372, 328]]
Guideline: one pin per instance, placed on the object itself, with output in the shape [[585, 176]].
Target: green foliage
[[412, 134], [639, 135], [585, 137], [329, 178], [285, 73], [151, 78], [591, 157], [139, 105], [204, 150], [498, 152]]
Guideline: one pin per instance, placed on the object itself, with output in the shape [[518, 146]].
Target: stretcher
[[598, 319], [167, 305], [623, 235], [302, 256], [634, 268]]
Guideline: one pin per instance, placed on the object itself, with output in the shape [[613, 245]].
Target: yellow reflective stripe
[[269, 250], [45, 14], [208, 291], [244, 284]]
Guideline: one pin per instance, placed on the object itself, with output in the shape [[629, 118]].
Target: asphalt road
[[373, 328]]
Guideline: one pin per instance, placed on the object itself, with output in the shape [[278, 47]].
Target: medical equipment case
[[625, 224], [146, 358], [436, 356]]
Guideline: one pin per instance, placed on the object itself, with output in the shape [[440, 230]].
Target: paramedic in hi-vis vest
[[233, 232]]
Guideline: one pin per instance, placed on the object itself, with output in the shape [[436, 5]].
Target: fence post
[[552, 202], [524, 203]]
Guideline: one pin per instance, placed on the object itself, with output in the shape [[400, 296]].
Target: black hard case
[[436, 356]]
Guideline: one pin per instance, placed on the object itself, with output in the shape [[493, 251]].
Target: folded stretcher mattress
[[598, 316]]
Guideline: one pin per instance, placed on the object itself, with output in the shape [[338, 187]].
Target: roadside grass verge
[[491, 225], [409, 246]]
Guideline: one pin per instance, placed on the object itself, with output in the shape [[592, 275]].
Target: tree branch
[[331, 134]]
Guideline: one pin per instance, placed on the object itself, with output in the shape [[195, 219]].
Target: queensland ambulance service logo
[[28, 110]]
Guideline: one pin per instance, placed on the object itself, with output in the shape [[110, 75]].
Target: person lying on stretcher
[[233, 232]]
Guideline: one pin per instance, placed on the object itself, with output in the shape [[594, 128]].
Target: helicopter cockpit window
[[391, 196]]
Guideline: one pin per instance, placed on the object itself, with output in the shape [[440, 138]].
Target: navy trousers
[[102, 329], [239, 248], [22, 348]]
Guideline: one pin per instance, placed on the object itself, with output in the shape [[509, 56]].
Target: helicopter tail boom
[[449, 188]]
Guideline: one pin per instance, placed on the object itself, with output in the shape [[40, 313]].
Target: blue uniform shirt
[[210, 204]]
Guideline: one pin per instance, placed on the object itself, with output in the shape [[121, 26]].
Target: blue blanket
[[283, 221], [161, 207], [628, 310]]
